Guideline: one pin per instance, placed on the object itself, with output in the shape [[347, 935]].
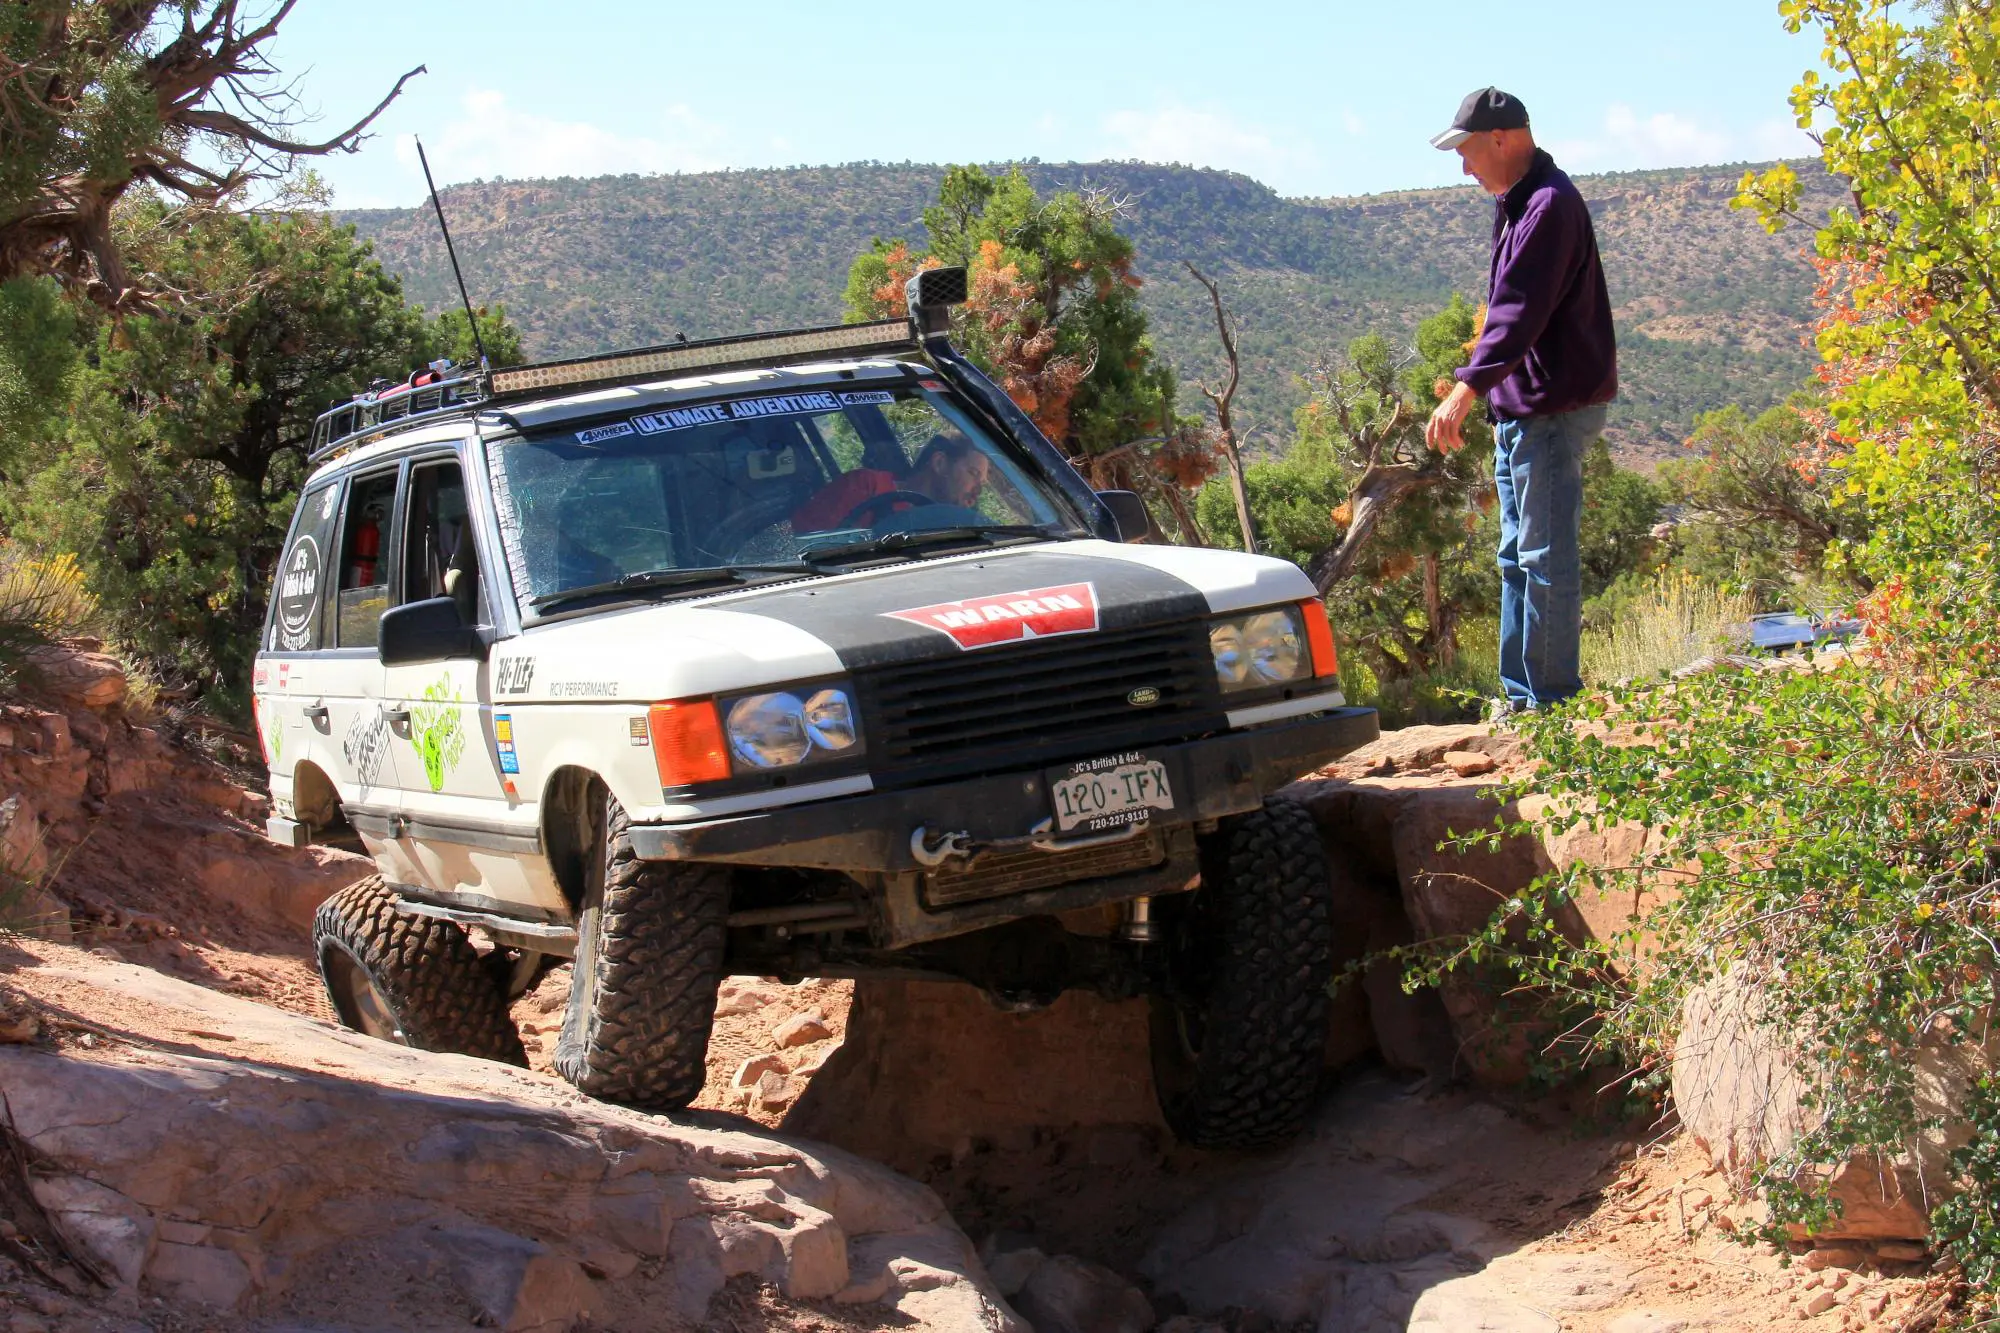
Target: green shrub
[[41, 600], [1665, 622]]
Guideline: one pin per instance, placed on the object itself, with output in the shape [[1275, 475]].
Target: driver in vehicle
[[950, 470]]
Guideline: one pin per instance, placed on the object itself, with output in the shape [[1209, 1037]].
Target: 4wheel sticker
[[597, 434], [437, 733], [298, 595]]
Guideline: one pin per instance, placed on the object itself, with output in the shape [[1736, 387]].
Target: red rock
[[1469, 763], [94, 680], [801, 1030], [751, 1071]]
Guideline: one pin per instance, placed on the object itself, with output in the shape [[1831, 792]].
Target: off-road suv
[[796, 654]]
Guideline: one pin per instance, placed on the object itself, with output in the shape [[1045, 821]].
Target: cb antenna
[[471, 319]]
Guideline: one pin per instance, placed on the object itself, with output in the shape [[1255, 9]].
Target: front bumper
[[1222, 775]]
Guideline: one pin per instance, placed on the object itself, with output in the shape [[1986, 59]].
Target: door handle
[[315, 713], [396, 717]]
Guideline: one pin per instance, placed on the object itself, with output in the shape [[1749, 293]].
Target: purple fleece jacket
[[1548, 345]]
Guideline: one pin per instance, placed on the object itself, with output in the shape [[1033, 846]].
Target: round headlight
[[1232, 664], [829, 718], [1276, 652], [768, 730]]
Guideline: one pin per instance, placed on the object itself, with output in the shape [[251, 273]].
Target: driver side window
[[440, 555]]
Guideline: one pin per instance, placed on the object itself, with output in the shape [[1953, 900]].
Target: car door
[[459, 826], [288, 682], [343, 699]]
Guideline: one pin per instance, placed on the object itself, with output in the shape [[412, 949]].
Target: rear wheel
[[1239, 1032], [648, 960], [410, 979]]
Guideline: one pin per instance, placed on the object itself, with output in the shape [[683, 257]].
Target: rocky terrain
[[190, 1145]]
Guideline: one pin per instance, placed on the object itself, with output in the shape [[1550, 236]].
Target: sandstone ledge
[[256, 1149]]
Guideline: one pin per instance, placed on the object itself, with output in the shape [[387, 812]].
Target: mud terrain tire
[[415, 976], [1239, 1036], [649, 953]]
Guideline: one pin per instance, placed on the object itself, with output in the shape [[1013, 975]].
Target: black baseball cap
[[1484, 109]]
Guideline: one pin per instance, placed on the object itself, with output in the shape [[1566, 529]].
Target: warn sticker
[[1010, 617]]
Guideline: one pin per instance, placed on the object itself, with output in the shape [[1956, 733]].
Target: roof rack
[[443, 390]]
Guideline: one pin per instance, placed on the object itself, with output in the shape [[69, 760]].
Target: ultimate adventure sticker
[[1010, 617], [742, 409]]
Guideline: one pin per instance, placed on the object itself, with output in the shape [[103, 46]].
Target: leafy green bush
[[1454, 692]]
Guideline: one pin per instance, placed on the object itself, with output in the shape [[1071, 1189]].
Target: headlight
[[768, 730], [1277, 650], [829, 718], [1255, 651], [782, 730]]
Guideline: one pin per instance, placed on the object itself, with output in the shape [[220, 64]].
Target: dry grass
[[1676, 620]]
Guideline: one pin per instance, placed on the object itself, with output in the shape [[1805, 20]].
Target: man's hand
[[1442, 432]]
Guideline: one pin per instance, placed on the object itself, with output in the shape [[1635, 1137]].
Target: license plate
[[1107, 793]]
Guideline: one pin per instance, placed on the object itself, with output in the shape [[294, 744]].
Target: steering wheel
[[876, 507]]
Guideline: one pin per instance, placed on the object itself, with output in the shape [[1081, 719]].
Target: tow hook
[[931, 851]]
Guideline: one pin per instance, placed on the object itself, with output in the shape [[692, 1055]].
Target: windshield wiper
[[889, 543], [647, 580]]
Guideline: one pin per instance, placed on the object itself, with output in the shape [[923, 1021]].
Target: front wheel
[[410, 979], [1239, 1028], [649, 955]]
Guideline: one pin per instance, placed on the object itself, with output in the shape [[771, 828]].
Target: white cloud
[[1206, 139], [1628, 140], [494, 139]]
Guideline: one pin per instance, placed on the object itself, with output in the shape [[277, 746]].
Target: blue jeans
[[1538, 470]]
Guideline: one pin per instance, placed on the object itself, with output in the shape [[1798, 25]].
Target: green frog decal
[[436, 732]]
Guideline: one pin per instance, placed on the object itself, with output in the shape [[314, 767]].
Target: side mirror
[[426, 631], [1128, 511]]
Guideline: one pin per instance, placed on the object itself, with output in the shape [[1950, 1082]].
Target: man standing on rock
[[1547, 364]]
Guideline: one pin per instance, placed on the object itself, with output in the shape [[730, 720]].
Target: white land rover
[[796, 654]]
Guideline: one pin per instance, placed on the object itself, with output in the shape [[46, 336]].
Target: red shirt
[[837, 499]]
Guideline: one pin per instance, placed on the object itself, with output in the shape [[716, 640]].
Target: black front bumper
[[1221, 775]]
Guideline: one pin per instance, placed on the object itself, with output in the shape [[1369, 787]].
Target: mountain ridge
[[1711, 310]]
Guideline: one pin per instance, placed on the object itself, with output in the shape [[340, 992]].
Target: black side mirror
[[427, 631], [1128, 511]]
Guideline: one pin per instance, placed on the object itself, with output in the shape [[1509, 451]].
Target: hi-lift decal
[[1010, 617]]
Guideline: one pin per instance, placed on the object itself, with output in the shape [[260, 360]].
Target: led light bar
[[708, 354]]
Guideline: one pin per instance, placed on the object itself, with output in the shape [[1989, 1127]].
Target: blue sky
[[1312, 99]]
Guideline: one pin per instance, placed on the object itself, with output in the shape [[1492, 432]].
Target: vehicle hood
[[982, 602]]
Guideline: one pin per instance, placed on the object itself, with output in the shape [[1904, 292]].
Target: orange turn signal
[[1319, 637], [687, 742]]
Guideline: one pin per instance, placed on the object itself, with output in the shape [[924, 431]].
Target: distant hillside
[[1709, 307]]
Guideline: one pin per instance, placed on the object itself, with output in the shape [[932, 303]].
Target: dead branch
[[1222, 399], [209, 85]]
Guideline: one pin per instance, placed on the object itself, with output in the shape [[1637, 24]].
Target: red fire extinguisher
[[367, 547]]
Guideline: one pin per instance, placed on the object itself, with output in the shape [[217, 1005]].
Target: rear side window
[[364, 560], [298, 599]]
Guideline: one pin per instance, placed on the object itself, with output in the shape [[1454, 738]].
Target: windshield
[[762, 481]]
